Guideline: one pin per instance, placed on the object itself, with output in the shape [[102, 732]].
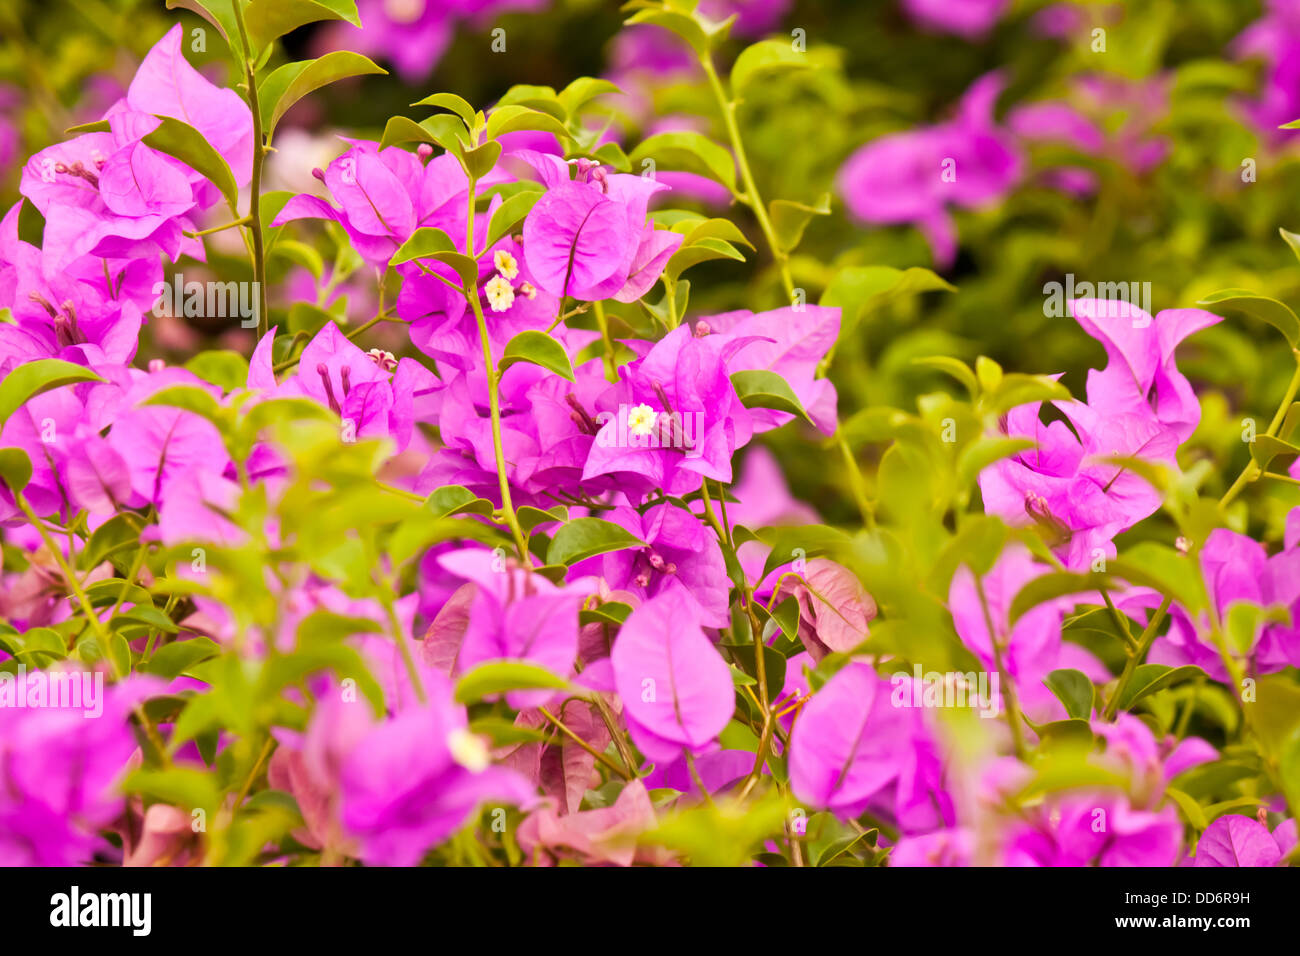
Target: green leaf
[[288, 84], [761, 60], [480, 161], [1149, 678], [862, 289], [1192, 811], [15, 468], [512, 118], [582, 90], [542, 98], [583, 538], [457, 500], [954, 367], [220, 13], [268, 20], [761, 388], [1291, 239], [510, 212], [184, 787], [33, 378], [534, 345], [222, 367], [689, 151], [790, 219], [982, 452], [701, 251], [1265, 448], [184, 142], [1275, 313], [498, 677], [425, 243], [171, 660], [1073, 689], [453, 104]]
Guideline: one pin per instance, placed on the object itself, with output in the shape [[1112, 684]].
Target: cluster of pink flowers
[[639, 639]]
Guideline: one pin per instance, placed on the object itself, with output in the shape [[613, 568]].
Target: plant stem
[[611, 373], [254, 216], [751, 197], [1135, 656], [559, 724], [494, 397], [1252, 470], [1013, 703]]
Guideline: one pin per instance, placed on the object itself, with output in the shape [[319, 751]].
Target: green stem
[[559, 725], [254, 216], [494, 397], [611, 372], [1135, 657], [751, 197], [1252, 470], [1013, 703], [399, 635]]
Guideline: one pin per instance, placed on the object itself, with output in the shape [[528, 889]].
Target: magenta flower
[[912, 177], [970, 19], [681, 556], [1237, 569], [413, 779], [676, 688], [1275, 39], [691, 424], [589, 238], [516, 615], [1101, 830], [384, 195], [1235, 840], [851, 744], [1141, 377], [1032, 646], [61, 768], [412, 34], [791, 342]]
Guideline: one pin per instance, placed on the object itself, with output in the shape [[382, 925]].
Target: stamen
[[323, 371], [580, 415]]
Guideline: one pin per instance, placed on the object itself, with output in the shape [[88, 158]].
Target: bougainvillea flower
[[834, 607], [850, 742], [685, 376], [61, 767], [1102, 830], [1237, 569], [1032, 647], [966, 18], [412, 34], [676, 688], [1274, 39], [414, 778], [588, 238], [384, 195], [1141, 377], [911, 177], [562, 770], [791, 342], [1067, 486], [1235, 840], [517, 615], [605, 835], [680, 555]]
